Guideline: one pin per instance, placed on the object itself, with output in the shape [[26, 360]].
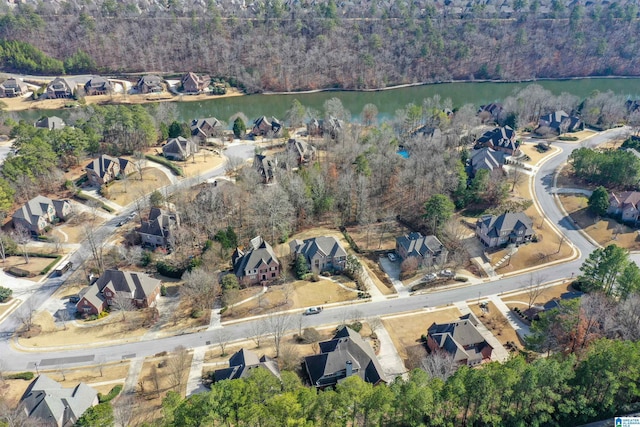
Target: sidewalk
[[194, 383], [388, 356], [518, 325]]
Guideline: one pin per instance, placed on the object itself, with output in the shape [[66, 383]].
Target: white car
[[312, 310], [447, 273], [392, 257], [430, 277]]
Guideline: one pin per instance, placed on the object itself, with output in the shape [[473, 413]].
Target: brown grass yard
[[34, 267], [605, 231], [496, 323], [205, 160], [530, 150], [123, 192], [546, 295]]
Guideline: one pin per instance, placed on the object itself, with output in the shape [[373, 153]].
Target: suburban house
[[39, 212], [149, 84], [156, 230], [427, 249], [140, 288], [333, 127], [266, 126], [51, 123], [315, 127], [60, 88], [97, 85], [345, 355], [322, 253], [461, 339], [179, 148], [13, 87], [500, 139], [626, 205], [265, 165], [534, 311], [257, 264], [427, 132], [105, 169], [507, 228], [490, 112], [303, 151], [632, 105], [206, 128], [487, 158], [561, 122], [194, 83], [242, 363], [47, 403]]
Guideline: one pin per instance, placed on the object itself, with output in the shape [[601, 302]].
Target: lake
[[254, 106]]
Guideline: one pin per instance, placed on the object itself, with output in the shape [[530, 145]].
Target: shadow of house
[[242, 363], [345, 355]]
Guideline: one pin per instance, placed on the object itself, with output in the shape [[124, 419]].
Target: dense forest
[[297, 46]]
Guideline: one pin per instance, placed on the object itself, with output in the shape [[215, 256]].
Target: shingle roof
[[507, 222], [305, 151], [415, 244], [101, 165], [626, 199], [203, 127], [138, 285], [47, 400], [180, 145], [98, 82], [499, 137], [347, 346], [159, 223], [93, 295], [259, 253], [461, 338], [241, 364], [33, 209], [50, 123], [327, 245], [487, 158]]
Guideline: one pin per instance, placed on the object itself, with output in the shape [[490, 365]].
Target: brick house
[[97, 85], [206, 128], [194, 83], [461, 339], [504, 229], [157, 229], [105, 169], [258, 264], [149, 84]]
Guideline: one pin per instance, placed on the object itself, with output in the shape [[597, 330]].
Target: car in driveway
[[312, 310], [430, 277], [392, 257], [447, 273]]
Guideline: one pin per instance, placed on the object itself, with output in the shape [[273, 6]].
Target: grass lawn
[[91, 374], [34, 267], [377, 236], [605, 231], [205, 160], [407, 330], [521, 298], [125, 191], [74, 229], [12, 390], [107, 329], [496, 323]]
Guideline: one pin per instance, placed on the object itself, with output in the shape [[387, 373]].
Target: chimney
[[349, 368]]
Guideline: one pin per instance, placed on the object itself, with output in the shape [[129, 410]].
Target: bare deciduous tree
[[200, 287], [22, 237], [178, 366], [257, 332], [122, 303], [278, 325], [439, 364], [222, 338], [534, 288]]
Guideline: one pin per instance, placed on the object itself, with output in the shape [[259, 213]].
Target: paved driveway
[[392, 269]]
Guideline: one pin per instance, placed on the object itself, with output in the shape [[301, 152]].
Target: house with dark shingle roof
[[504, 229], [60, 88], [179, 148], [13, 87], [149, 84], [51, 123], [205, 128], [490, 112], [105, 169], [156, 230], [242, 363], [303, 151], [487, 158], [322, 253], [47, 403], [461, 339], [266, 126], [500, 139], [39, 212], [141, 288], [194, 83], [345, 355], [257, 264], [626, 205], [97, 85], [427, 249], [561, 122], [265, 166]]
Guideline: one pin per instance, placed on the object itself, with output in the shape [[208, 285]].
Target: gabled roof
[[138, 285], [626, 199], [265, 165], [93, 295], [49, 401], [102, 164], [415, 244], [554, 120], [243, 362], [61, 83], [202, 127], [98, 83], [494, 109], [159, 223], [461, 339], [487, 158], [13, 83], [259, 253], [347, 350], [507, 222], [305, 151], [327, 246], [179, 145], [33, 209], [150, 80], [50, 123], [499, 137]]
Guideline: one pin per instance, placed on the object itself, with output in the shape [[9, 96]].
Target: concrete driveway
[[392, 269]]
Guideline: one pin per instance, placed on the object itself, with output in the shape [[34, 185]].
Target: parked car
[[120, 224], [312, 310], [430, 277], [447, 273], [392, 257]]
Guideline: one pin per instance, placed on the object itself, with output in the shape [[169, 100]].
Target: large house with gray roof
[[242, 363], [303, 151], [40, 212], [47, 403], [500, 139], [461, 339], [258, 264], [149, 84], [60, 87], [508, 228], [156, 230], [321, 253], [97, 85], [179, 148], [141, 288], [50, 123], [561, 122], [13, 87], [427, 249], [105, 169], [345, 355], [487, 158], [206, 128]]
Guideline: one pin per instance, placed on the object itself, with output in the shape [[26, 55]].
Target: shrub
[[301, 267], [196, 313], [568, 138], [163, 290], [310, 335], [461, 279], [230, 281], [50, 266], [356, 326], [146, 258], [18, 272], [177, 170], [169, 270], [27, 376], [109, 396], [5, 293]]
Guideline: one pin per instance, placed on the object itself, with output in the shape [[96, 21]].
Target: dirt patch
[[379, 236], [125, 191], [494, 321], [406, 330], [93, 374]]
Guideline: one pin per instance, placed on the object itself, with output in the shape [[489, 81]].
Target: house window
[[273, 274], [108, 293]]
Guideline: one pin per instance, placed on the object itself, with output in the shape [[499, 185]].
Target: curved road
[[543, 183]]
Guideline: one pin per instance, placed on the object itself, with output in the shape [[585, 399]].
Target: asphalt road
[[14, 360]]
